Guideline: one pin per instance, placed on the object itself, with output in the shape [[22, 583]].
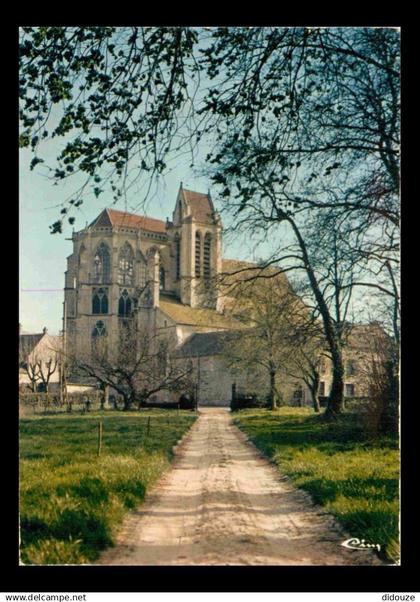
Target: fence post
[[99, 437]]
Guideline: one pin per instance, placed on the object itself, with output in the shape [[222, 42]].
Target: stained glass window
[[125, 265], [125, 304], [99, 340], [100, 301], [102, 264]]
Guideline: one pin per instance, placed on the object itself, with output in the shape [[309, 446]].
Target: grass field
[[354, 478], [71, 499]]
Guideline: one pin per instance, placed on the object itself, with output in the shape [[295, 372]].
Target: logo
[[360, 544]]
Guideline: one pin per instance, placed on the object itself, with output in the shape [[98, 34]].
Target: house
[[39, 360]]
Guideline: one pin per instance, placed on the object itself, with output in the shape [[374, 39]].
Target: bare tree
[[46, 369], [47, 366], [379, 354], [31, 368], [141, 366], [306, 348], [270, 311]]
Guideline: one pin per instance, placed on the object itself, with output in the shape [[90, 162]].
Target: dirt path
[[224, 504]]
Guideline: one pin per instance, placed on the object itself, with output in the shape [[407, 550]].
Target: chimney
[[45, 330]]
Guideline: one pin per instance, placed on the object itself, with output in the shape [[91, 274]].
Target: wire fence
[[53, 403]]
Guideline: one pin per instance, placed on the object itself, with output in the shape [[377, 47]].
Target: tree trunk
[[314, 386], [127, 402], [272, 394], [335, 403], [389, 418], [336, 400]]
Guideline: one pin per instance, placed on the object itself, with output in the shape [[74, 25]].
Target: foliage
[[299, 100], [352, 475], [71, 499], [119, 91]]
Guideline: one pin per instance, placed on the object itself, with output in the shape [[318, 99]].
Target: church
[[164, 275], [163, 272]]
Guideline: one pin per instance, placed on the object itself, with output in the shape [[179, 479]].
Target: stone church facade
[[162, 274]]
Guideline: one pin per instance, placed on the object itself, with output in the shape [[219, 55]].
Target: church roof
[[205, 343], [247, 269], [200, 204], [195, 316], [113, 217], [28, 342]]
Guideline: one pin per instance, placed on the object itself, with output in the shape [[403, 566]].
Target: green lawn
[[353, 477], [71, 499]]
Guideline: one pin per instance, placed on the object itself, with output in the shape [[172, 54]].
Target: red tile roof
[[201, 205], [112, 217]]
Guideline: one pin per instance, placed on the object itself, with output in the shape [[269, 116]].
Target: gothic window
[[125, 265], [99, 336], [161, 278], [178, 256], [100, 301], [125, 304], [102, 264], [142, 274], [322, 388], [207, 256], [197, 254]]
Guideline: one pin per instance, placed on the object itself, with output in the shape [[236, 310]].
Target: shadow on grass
[[85, 524], [93, 531], [378, 489], [306, 430]]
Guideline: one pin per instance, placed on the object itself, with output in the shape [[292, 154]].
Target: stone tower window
[[99, 340], [161, 278], [207, 256], [178, 256], [100, 301], [197, 254], [125, 304], [125, 265], [102, 264]]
